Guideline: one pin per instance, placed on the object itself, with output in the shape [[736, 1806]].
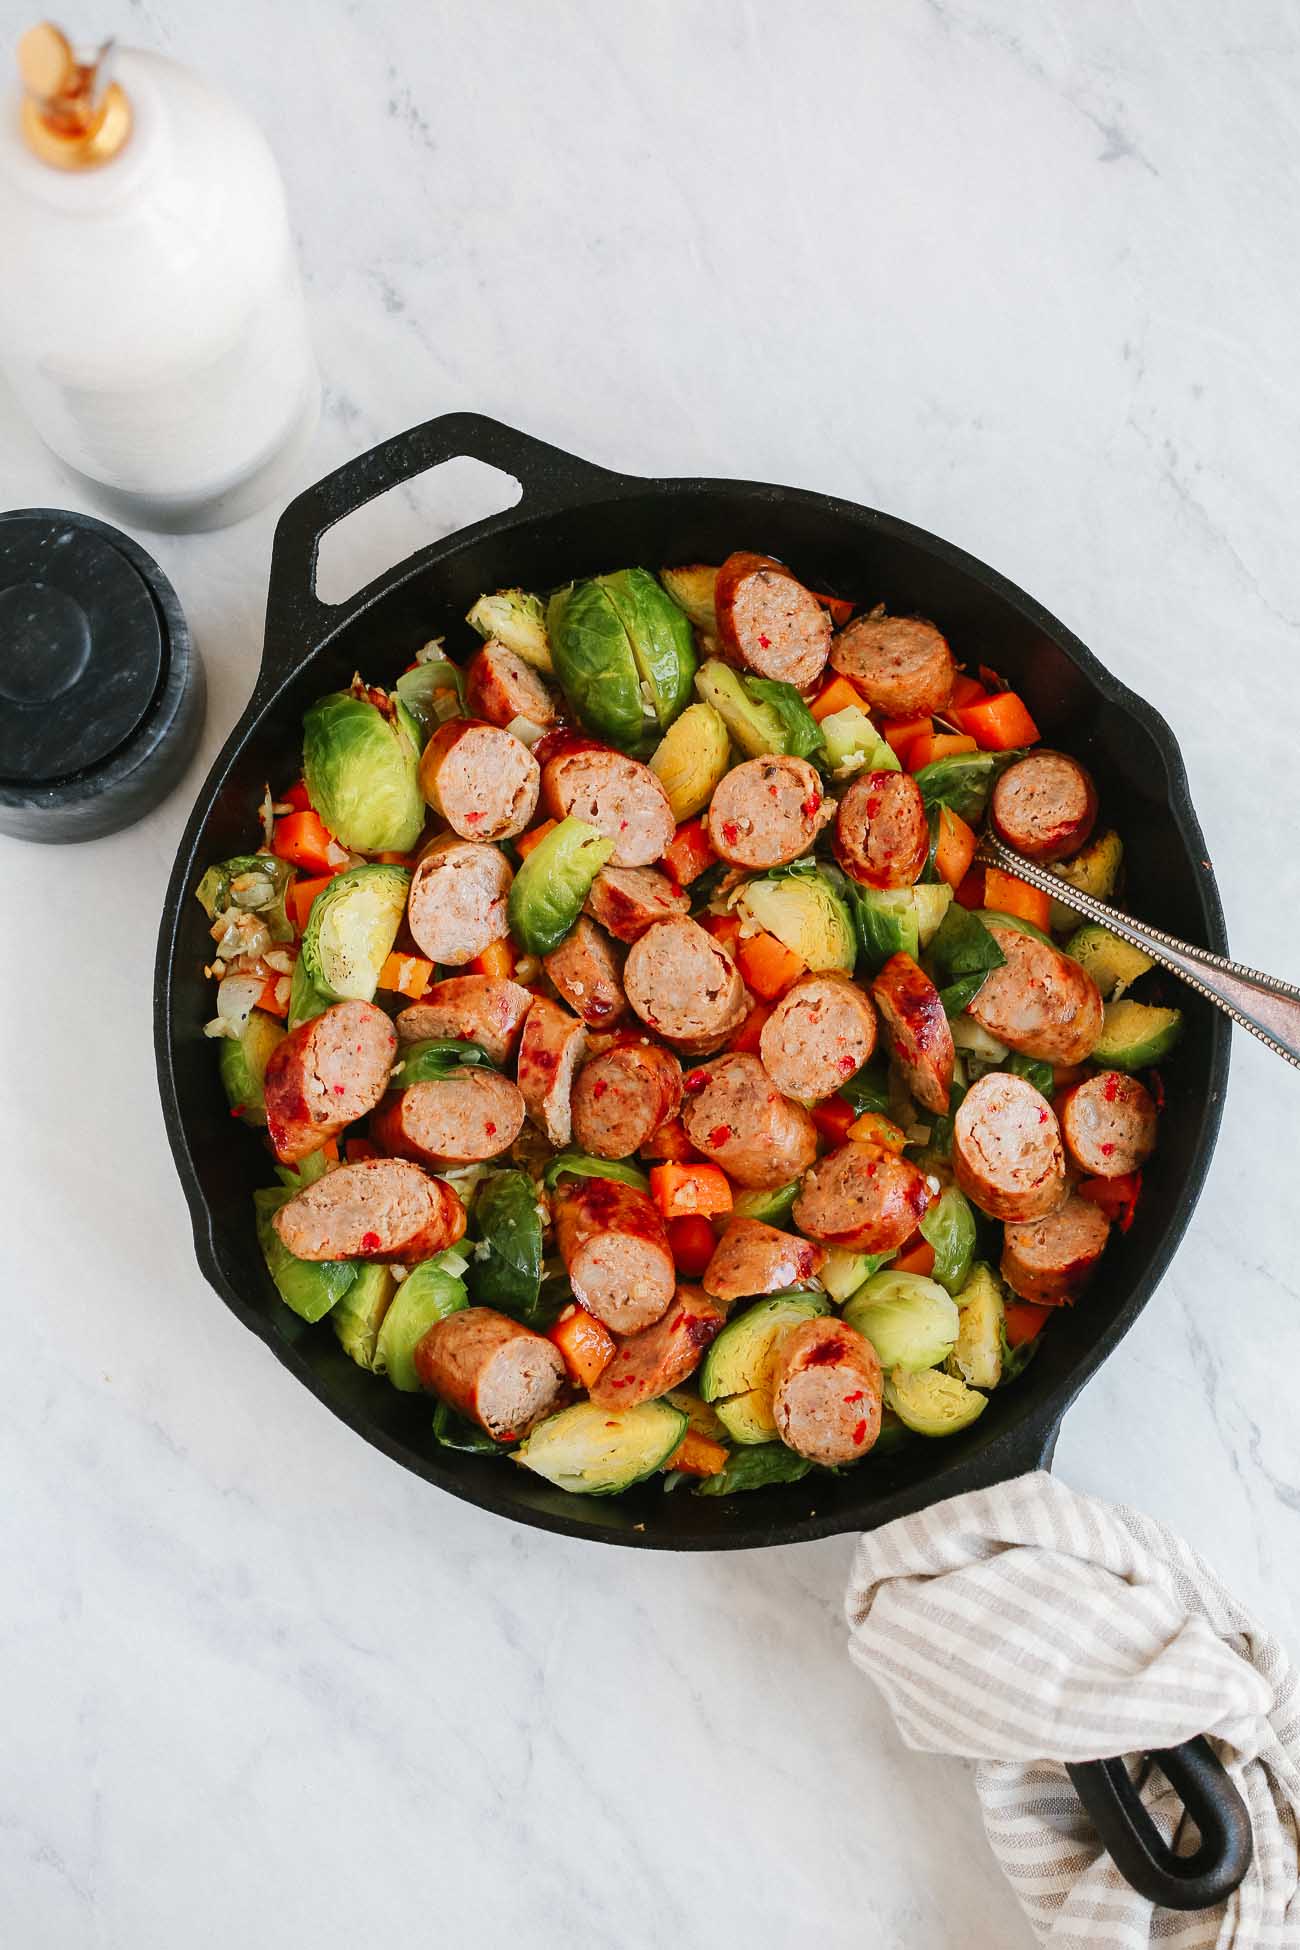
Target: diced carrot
[[681, 1189], [746, 1039], [689, 853], [698, 1455], [300, 896], [936, 744], [409, 975], [997, 724], [527, 841], [304, 839], [965, 690], [330, 1150], [296, 797], [269, 999], [498, 959], [872, 1128], [670, 1141], [586, 1344], [902, 731], [954, 847], [358, 1151], [838, 695], [970, 892], [396, 859], [834, 1117], [1116, 1197], [838, 607], [724, 928], [691, 1241], [915, 1256], [1021, 1320], [767, 965], [1004, 894]]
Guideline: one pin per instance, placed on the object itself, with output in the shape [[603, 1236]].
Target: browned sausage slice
[[617, 795], [1050, 1259], [483, 1009], [550, 1050], [821, 1031], [1006, 1148], [462, 1119], [646, 1365], [384, 1208], [683, 984], [615, 1250], [1109, 1124], [828, 1392], [919, 1032], [325, 1074], [457, 904], [736, 1117], [628, 900], [483, 781], [491, 1370], [863, 1197], [766, 812], [1040, 1001], [902, 663], [769, 622], [882, 834], [621, 1098], [585, 969], [501, 687], [752, 1258], [1044, 805]]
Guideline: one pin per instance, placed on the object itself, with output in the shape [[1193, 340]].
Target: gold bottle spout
[[74, 116]]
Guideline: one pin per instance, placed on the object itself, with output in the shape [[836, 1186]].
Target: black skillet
[[574, 519]]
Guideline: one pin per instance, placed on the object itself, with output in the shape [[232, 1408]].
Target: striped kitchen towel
[[1024, 1626]]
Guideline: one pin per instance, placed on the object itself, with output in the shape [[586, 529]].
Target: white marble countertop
[[1021, 272]]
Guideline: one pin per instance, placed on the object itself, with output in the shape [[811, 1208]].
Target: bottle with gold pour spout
[[151, 316]]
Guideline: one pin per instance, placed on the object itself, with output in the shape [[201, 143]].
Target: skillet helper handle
[[1264, 1004], [1135, 1845], [296, 618]]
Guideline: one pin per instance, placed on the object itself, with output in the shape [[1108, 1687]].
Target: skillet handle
[[297, 619], [1201, 1880]]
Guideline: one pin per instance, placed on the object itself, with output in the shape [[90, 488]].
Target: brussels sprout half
[[430, 1292], [933, 1403], [805, 907], [516, 619], [309, 1287], [909, 1320], [948, 1225], [242, 1061], [976, 1357], [737, 1375], [624, 655], [691, 760], [596, 1451], [362, 773], [254, 883], [547, 893], [359, 1315], [351, 929]]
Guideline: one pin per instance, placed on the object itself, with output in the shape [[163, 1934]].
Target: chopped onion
[[434, 651], [526, 731], [266, 813], [252, 890], [215, 1028], [235, 1000]]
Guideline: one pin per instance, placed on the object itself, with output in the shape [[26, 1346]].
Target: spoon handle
[[1267, 1007]]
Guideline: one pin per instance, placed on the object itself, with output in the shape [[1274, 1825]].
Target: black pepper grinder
[[101, 688]]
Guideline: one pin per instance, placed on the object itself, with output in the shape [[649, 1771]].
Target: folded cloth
[[1025, 1626]]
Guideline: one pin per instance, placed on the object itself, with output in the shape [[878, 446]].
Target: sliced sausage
[[1006, 1148], [585, 969], [384, 1208], [769, 622], [1044, 805], [901, 663], [1040, 1001], [628, 900], [483, 781], [621, 1098], [683, 984], [821, 1031], [491, 1370], [617, 795], [550, 1050], [766, 812], [752, 1258], [863, 1197], [1050, 1259], [325, 1074], [457, 904], [827, 1399], [882, 834], [736, 1117], [500, 687], [919, 1033], [615, 1251], [648, 1364], [457, 1120], [483, 1009], [1109, 1125]]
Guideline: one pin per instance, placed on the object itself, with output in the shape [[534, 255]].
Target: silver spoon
[[1267, 1007]]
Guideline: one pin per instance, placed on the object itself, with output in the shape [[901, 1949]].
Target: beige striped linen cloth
[[1026, 1625]]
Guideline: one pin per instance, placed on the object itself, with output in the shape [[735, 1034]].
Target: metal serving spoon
[[1268, 1008]]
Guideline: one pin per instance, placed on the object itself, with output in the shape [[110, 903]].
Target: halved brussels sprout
[[351, 930], [660, 635], [909, 1320], [1114, 965], [692, 759], [599, 1451], [1136, 1034], [806, 908], [251, 883], [432, 691], [771, 1207], [948, 1224], [1094, 870], [698, 1413], [547, 893], [898, 920], [306, 1000], [761, 714], [976, 1357], [623, 653], [1015, 923], [360, 1313], [933, 1403], [854, 745], [243, 1060], [362, 772], [844, 1271], [518, 620], [738, 1373], [693, 588], [309, 1287], [430, 1292]]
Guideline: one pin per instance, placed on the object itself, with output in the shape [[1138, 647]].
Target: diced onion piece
[[526, 731], [236, 998], [215, 1028], [266, 813]]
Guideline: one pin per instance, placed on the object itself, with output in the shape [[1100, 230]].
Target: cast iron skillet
[[575, 519]]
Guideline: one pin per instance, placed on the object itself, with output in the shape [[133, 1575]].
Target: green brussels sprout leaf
[[362, 773], [949, 1226], [577, 1164], [550, 887]]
